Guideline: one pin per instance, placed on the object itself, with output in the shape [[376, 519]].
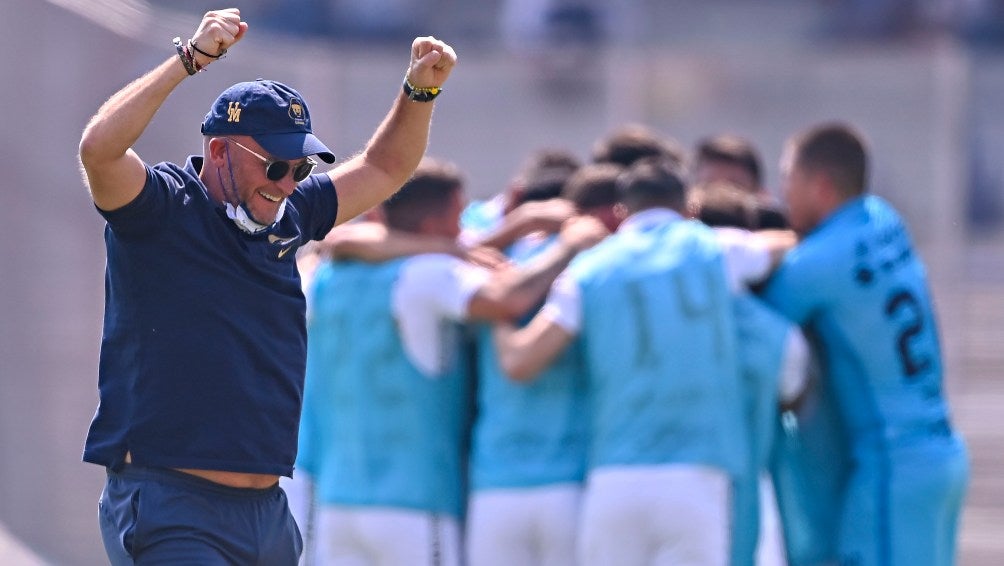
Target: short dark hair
[[721, 203], [836, 150], [550, 158], [730, 148], [426, 194], [542, 176], [593, 185], [545, 184], [652, 182], [628, 144], [771, 216]]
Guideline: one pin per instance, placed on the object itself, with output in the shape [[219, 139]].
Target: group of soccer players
[[641, 359]]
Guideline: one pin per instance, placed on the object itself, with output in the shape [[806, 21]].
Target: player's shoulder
[[853, 231], [836, 239], [750, 306], [880, 209], [439, 272], [810, 265], [604, 256], [421, 276], [817, 249], [424, 265], [481, 216]]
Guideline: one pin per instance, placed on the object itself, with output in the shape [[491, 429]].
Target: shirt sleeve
[[317, 201], [564, 304], [432, 288], [443, 283], [794, 288], [747, 260], [146, 213]]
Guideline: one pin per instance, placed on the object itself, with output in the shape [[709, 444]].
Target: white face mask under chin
[[243, 220]]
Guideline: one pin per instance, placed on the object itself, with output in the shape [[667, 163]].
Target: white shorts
[[770, 546], [525, 526], [381, 536], [654, 515]]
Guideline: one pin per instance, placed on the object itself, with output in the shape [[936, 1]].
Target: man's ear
[[217, 150]]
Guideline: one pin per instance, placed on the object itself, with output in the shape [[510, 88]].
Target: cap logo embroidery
[[296, 112], [234, 112]]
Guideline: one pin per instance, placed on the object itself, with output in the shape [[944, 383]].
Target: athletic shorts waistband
[[189, 481]]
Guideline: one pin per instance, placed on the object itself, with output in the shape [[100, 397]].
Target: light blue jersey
[[375, 430], [762, 338], [659, 341], [528, 434], [809, 468], [481, 217], [856, 283]]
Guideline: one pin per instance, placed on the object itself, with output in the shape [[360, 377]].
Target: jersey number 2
[[912, 362]]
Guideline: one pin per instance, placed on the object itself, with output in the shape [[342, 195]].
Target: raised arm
[[398, 145], [113, 171]]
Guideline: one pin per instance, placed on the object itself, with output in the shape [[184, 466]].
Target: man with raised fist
[[204, 344]]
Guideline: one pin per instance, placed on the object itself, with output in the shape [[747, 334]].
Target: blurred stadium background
[[924, 79]]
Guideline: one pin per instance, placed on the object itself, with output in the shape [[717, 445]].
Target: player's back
[[528, 434], [659, 339], [872, 311], [388, 433]]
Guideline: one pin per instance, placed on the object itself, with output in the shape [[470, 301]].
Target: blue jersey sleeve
[[795, 288]]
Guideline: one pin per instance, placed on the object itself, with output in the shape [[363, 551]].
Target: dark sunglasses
[[276, 170]]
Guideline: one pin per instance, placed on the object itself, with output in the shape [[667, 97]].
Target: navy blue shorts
[[157, 516]]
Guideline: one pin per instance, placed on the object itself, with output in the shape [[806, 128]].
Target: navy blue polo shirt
[[204, 344]]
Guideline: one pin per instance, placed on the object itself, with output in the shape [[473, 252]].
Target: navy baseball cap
[[272, 113]]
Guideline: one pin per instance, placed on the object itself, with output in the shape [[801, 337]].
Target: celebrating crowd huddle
[[639, 359], [631, 413]]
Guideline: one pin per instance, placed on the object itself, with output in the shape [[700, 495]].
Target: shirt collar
[[845, 210], [194, 164]]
